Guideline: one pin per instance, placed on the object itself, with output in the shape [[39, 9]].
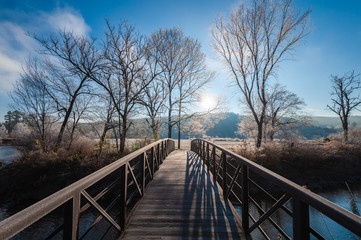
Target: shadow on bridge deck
[[183, 203]]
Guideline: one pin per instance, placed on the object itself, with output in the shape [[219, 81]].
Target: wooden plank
[[182, 202]]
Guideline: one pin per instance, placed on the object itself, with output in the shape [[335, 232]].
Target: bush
[[311, 163]]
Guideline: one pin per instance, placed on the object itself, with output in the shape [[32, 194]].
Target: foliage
[[11, 119]]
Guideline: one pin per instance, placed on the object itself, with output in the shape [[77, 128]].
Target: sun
[[207, 102]]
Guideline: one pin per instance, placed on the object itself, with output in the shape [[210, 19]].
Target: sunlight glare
[[207, 102]]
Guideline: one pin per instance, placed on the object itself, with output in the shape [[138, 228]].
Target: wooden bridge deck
[[183, 203]]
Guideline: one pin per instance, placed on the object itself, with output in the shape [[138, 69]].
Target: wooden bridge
[[181, 202], [158, 193]]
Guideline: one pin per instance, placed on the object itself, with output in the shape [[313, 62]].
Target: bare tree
[[30, 96], [193, 76], [253, 42], [283, 111], [101, 118], [69, 75], [343, 99], [153, 101], [80, 109], [183, 72], [128, 72], [171, 45]]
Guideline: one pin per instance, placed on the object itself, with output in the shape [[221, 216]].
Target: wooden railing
[[239, 178], [111, 193]]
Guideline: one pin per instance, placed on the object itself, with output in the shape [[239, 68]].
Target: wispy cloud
[[15, 45], [69, 20]]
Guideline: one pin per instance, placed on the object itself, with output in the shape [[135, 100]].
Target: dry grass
[[316, 164]]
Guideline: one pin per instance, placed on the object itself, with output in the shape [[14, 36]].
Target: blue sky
[[333, 47]]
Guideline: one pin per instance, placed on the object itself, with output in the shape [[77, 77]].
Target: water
[[322, 224], [319, 222], [8, 154]]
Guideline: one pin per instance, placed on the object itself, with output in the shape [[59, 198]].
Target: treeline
[[113, 80]]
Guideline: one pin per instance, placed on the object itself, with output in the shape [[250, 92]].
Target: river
[[319, 222], [8, 154], [328, 228]]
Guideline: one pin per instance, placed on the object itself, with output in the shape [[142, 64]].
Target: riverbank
[[38, 174], [317, 165]]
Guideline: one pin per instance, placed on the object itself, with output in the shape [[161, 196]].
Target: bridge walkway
[[183, 203]]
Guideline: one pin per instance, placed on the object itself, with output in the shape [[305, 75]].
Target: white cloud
[[15, 45], [69, 20]]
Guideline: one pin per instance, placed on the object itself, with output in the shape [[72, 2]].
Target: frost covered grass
[[314, 163]]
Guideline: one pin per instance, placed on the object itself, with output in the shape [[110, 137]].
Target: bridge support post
[[207, 161], [200, 149], [158, 159], [153, 156], [204, 151], [71, 218], [224, 174], [214, 163], [144, 155], [123, 196], [244, 198], [301, 220], [162, 153]]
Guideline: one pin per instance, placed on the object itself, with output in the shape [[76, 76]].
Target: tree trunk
[[170, 114], [155, 130], [179, 123], [345, 129], [122, 135], [170, 122], [116, 138], [179, 135], [259, 134], [121, 143], [63, 125], [271, 135], [102, 137]]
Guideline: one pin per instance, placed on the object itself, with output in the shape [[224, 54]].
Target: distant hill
[[320, 127], [225, 128], [334, 121]]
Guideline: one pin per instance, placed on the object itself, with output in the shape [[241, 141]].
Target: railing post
[[203, 151], [162, 152], [301, 220], [207, 161], [153, 156], [158, 155], [244, 198], [123, 196], [200, 149], [71, 218], [143, 171], [214, 163], [224, 173]]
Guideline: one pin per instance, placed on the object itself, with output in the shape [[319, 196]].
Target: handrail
[[302, 198], [72, 193]]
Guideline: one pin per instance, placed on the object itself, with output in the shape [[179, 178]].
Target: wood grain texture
[[183, 203]]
